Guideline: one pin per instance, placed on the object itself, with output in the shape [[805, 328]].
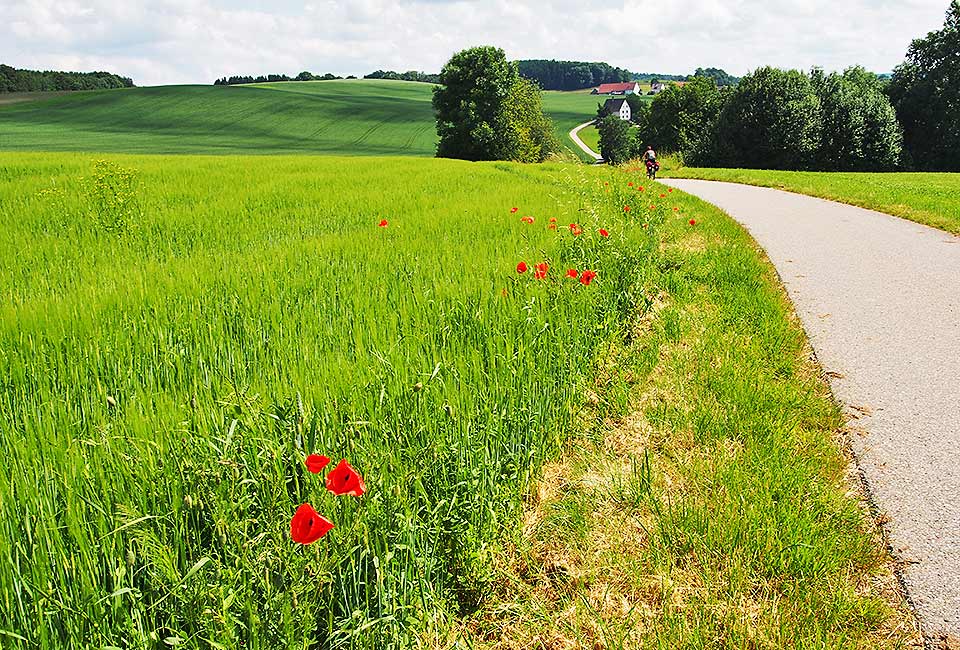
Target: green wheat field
[[178, 332]]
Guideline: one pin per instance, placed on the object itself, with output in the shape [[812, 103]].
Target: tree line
[[793, 120], [576, 75], [410, 75], [570, 75], [14, 80], [273, 78]]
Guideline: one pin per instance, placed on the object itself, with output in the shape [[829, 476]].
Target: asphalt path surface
[[575, 136], [879, 298]]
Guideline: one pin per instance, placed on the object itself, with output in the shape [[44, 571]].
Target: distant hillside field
[[344, 117], [349, 117]]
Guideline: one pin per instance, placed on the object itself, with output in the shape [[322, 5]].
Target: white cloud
[[186, 41]]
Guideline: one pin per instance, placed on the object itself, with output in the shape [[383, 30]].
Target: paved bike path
[[879, 298], [575, 136]]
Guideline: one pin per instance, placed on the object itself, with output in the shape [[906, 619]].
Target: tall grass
[[164, 377]]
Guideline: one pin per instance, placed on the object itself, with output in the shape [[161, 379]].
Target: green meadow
[[349, 117], [932, 199], [177, 333]]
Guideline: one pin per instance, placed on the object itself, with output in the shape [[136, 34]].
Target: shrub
[[860, 128], [772, 120]]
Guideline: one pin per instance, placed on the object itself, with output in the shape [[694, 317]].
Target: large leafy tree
[[470, 104], [772, 120], [860, 128], [926, 93], [485, 111], [682, 118], [529, 133]]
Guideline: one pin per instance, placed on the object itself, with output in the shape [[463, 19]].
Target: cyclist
[[650, 159]]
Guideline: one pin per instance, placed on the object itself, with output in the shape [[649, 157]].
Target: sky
[[196, 41]]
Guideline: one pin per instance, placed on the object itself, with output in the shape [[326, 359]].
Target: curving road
[[879, 298], [575, 136]]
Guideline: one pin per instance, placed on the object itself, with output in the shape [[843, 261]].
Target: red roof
[[616, 88]]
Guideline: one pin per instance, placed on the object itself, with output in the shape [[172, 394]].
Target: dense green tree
[[860, 128], [682, 118], [771, 120], [925, 91], [485, 111], [616, 139], [469, 105], [529, 132]]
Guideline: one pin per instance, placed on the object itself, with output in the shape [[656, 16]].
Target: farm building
[[618, 107], [627, 88]]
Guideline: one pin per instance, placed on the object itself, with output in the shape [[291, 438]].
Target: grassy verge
[[709, 506], [932, 199]]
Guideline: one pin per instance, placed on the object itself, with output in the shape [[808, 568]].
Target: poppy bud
[[188, 501], [448, 409], [417, 387]]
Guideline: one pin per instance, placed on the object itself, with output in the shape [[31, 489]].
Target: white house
[[618, 107]]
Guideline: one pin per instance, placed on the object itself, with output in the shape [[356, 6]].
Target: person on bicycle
[[650, 159]]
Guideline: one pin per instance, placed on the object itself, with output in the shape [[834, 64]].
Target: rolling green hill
[[352, 117], [364, 118]]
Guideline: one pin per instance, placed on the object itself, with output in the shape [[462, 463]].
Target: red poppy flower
[[693, 222], [587, 277], [644, 226], [630, 184], [315, 463], [343, 479], [522, 267], [553, 220], [572, 273], [640, 189], [676, 209], [626, 208], [663, 196], [307, 526], [604, 233], [527, 220], [552, 226], [576, 229], [514, 210], [383, 223], [670, 190], [540, 270], [653, 207]]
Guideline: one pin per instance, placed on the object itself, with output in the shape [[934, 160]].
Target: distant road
[[878, 298], [575, 136]]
